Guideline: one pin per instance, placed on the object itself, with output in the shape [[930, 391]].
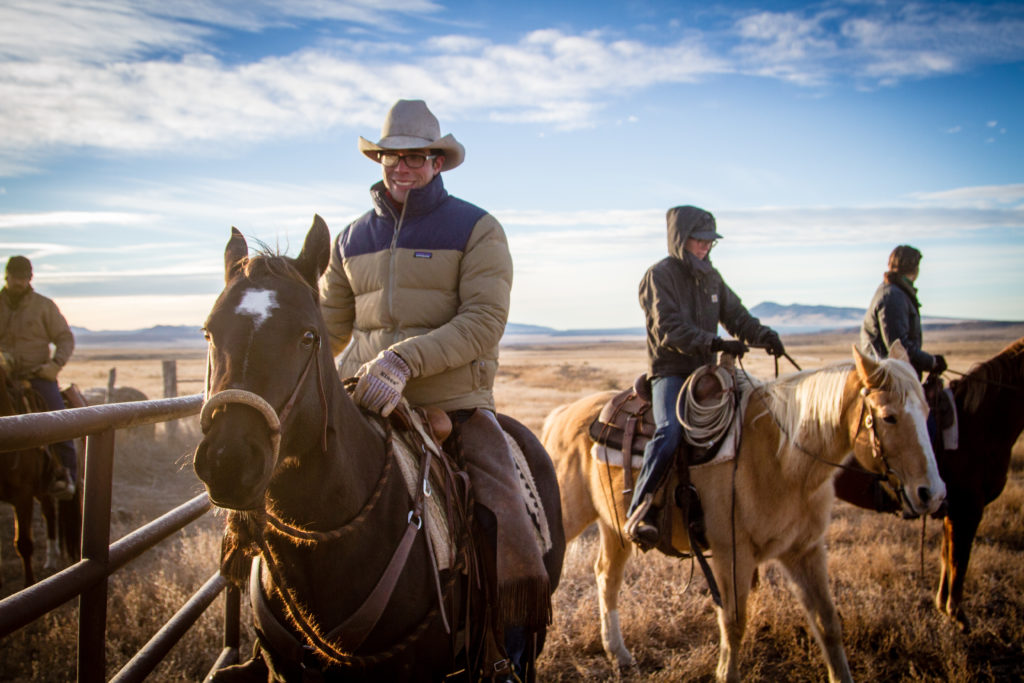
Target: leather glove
[[731, 346], [381, 382], [47, 371], [774, 344], [940, 364]]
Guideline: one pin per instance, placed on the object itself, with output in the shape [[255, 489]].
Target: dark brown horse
[[313, 492], [25, 477], [990, 412]]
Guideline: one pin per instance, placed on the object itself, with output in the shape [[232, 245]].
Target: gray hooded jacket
[[684, 299]]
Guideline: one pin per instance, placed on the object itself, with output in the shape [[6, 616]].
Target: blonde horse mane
[[808, 405]]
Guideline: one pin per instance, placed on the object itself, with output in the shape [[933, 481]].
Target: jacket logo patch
[[422, 254], [714, 298]]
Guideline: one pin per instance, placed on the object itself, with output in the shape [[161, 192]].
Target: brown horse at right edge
[[989, 402]]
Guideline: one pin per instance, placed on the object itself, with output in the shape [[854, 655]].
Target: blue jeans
[[65, 450], [668, 434]]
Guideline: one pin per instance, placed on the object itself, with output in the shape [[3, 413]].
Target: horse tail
[[69, 526]]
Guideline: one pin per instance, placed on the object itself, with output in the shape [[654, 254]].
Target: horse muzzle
[[924, 499], [237, 456]]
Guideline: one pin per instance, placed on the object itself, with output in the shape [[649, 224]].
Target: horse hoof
[[962, 622]]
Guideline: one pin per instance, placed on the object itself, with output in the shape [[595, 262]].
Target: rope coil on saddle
[[704, 423]]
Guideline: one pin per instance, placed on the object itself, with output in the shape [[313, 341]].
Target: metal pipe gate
[[87, 579]]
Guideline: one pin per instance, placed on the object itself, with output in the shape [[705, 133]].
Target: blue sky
[[821, 135]]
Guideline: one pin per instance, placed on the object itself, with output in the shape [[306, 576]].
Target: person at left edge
[[29, 324]]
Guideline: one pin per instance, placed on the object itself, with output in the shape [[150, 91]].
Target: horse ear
[[234, 254], [316, 251], [866, 367], [898, 351]]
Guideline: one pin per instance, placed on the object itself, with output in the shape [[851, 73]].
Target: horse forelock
[[268, 264], [898, 377]]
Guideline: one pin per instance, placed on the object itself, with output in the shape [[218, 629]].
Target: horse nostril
[[925, 494]]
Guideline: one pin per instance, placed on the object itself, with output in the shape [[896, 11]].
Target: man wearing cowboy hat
[[29, 324], [416, 298]]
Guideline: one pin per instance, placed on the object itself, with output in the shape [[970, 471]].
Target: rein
[[969, 377]]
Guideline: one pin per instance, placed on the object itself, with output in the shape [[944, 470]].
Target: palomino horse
[[990, 413], [25, 477], [773, 500], [312, 484]]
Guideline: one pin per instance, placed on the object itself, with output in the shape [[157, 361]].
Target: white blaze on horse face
[[916, 411], [258, 304]]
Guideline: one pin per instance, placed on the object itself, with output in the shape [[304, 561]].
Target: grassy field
[[883, 591]]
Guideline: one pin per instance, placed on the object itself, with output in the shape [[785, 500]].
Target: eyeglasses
[[708, 243], [411, 160]]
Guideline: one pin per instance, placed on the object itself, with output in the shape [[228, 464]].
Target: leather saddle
[[626, 422]]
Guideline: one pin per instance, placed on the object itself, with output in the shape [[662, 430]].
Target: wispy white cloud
[[877, 43], [981, 197], [149, 75]]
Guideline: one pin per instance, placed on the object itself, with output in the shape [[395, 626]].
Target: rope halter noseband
[[273, 418]]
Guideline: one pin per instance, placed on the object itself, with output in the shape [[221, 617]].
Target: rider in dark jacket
[[684, 300], [895, 313]]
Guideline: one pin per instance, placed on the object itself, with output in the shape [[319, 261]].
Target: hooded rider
[[684, 300]]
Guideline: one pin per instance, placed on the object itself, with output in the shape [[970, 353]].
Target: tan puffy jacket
[[432, 284], [29, 327]]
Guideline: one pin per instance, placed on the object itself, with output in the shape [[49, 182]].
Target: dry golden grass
[[891, 630]]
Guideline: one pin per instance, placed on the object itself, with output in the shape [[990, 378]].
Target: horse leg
[[809, 574], [946, 569], [961, 531], [49, 511], [23, 535], [612, 555], [732, 615]]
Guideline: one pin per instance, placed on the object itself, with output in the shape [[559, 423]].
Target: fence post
[[170, 368], [111, 378], [92, 605]]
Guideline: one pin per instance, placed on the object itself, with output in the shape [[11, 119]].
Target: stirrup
[[638, 529]]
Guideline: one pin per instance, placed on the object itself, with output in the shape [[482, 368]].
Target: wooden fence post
[[170, 368], [111, 378]]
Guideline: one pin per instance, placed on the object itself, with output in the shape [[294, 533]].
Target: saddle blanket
[[951, 434], [435, 519], [727, 452]]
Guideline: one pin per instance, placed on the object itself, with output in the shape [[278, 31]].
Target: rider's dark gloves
[[774, 344], [730, 346]]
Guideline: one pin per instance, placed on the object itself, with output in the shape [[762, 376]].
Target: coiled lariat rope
[[706, 423]]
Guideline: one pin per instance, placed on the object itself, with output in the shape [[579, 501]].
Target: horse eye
[[308, 338], [891, 419], [206, 335]]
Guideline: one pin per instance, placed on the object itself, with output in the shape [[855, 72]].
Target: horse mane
[[1004, 368], [810, 402]]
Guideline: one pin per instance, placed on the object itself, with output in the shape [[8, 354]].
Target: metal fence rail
[[88, 578]]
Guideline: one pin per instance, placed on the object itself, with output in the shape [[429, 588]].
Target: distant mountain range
[[788, 319]]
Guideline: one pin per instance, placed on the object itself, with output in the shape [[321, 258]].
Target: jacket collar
[[418, 202], [897, 280], [15, 300]]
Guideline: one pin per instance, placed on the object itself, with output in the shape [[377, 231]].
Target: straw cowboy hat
[[410, 125]]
